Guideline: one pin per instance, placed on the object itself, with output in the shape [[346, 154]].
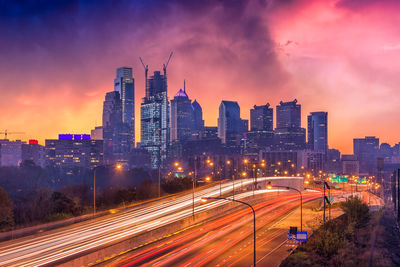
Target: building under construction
[[154, 114]]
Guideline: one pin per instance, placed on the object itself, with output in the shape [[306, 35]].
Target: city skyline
[[57, 93]]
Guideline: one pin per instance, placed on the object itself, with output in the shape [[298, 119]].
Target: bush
[[357, 212]]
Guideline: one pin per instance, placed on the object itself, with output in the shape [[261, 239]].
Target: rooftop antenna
[[184, 85], [166, 64], [146, 70]]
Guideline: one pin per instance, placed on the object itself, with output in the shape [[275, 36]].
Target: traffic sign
[[301, 236]]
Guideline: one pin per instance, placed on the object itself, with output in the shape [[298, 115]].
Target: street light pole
[[194, 180], [204, 199], [94, 191], [301, 200]]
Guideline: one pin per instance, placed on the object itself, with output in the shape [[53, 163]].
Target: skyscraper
[[198, 121], [261, 133], [115, 133], [288, 114], [182, 116], [229, 122], [318, 131], [124, 84], [154, 120], [288, 134], [261, 118]]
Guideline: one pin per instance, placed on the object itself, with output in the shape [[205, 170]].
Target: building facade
[[318, 131], [116, 135], [71, 151], [182, 117], [229, 121], [367, 151], [124, 84], [288, 133], [155, 128]]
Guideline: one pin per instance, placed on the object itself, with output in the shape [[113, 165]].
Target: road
[[227, 241], [55, 245]]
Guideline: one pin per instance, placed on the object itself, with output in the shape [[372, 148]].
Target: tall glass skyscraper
[[318, 131], [229, 121], [115, 133], [124, 84], [198, 121], [155, 129], [182, 119]]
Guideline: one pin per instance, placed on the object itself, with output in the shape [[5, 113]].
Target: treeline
[[34, 195]]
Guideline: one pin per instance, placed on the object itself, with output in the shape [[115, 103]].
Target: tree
[[6, 212], [356, 211]]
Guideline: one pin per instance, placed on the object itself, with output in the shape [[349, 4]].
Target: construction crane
[[146, 70], [166, 64], [7, 133]]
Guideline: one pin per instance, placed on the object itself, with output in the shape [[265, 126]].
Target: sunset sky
[[58, 59]]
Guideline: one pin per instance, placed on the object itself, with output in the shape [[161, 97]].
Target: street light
[[205, 199], [269, 186], [118, 166]]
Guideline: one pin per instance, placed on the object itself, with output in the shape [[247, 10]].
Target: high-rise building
[[230, 125], [154, 114], [288, 134], [116, 134], [261, 133], [318, 131], [288, 115], [367, 151], [124, 84], [198, 121], [261, 118], [182, 116]]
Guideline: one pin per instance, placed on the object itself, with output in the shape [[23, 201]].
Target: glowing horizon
[[338, 56]]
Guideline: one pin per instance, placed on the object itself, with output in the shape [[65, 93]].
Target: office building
[[350, 165], [318, 131], [124, 84], [261, 133], [288, 134], [198, 121], [261, 118], [33, 152], [10, 152], [116, 134], [182, 116], [288, 115], [71, 151], [229, 122], [155, 128], [367, 151]]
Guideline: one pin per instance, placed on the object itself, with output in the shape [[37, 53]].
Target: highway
[[227, 241], [55, 245]]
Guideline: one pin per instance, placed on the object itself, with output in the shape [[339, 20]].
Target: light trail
[[174, 250], [86, 236]]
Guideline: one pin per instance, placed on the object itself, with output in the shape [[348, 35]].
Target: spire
[[184, 85]]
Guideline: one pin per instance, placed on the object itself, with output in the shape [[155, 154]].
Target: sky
[[58, 59]]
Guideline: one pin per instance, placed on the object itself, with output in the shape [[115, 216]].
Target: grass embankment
[[344, 241]]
